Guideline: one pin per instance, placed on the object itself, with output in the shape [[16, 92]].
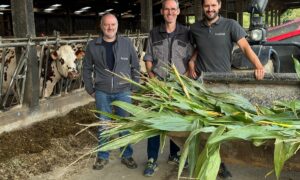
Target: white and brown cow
[[61, 63], [8, 66]]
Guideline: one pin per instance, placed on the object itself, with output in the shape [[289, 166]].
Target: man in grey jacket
[[168, 44], [106, 54]]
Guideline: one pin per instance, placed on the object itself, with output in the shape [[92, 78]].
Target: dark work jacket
[[163, 51], [94, 63]]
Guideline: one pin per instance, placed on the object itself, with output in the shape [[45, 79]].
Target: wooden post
[[23, 26], [197, 10], [279, 18], [276, 16], [267, 17], [272, 17], [240, 6], [146, 16]]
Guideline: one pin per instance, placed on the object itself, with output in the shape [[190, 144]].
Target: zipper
[[115, 64], [112, 83], [170, 50]]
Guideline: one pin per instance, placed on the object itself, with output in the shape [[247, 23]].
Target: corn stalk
[[185, 105]]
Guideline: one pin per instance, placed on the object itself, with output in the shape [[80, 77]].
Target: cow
[[61, 64], [8, 67]]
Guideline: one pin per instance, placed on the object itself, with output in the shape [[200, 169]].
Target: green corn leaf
[[297, 66], [283, 151], [162, 141], [209, 160], [168, 123], [247, 133], [131, 138]]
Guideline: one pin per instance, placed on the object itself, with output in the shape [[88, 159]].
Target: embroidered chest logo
[[220, 34], [124, 58]]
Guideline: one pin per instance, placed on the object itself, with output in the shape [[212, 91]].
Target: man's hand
[[151, 74], [247, 50], [259, 73], [191, 70]]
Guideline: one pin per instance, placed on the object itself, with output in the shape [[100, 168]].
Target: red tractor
[[275, 46]]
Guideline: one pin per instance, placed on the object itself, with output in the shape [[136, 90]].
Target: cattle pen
[[15, 78]]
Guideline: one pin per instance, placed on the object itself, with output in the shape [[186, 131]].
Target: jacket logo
[[124, 58], [220, 34]]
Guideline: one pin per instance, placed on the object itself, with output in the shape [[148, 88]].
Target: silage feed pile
[[185, 105]]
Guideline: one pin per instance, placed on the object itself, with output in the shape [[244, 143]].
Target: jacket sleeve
[[87, 71], [149, 54], [135, 64]]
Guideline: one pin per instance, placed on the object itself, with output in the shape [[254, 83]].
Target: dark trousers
[[153, 148]]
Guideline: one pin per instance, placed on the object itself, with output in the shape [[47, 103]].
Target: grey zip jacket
[[94, 63], [163, 50]]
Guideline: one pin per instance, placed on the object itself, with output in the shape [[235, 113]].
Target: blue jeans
[[103, 103], [153, 148]]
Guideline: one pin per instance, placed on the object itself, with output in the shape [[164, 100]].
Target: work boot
[[151, 167], [99, 164], [129, 162], [224, 172]]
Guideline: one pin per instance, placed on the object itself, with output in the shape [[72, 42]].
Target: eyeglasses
[[170, 9]]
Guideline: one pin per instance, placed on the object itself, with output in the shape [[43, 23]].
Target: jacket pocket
[[158, 53]]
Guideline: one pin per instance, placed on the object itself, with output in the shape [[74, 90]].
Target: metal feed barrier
[[14, 94]]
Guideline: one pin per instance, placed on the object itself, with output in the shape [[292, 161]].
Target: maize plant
[[183, 105]]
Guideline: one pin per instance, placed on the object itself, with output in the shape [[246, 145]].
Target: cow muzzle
[[73, 75]]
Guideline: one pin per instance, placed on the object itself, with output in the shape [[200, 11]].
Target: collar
[[99, 40], [178, 29], [203, 22]]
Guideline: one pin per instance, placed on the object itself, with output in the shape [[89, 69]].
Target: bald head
[[108, 16], [109, 27]]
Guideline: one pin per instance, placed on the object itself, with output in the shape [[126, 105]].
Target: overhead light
[[56, 5], [3, 6], [48, 10], [108, 10], [116, 2], [128, 16], [86, 8], [1, 13], [101, 13], [78, 12]]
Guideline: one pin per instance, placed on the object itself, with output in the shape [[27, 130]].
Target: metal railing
[[15, 91]]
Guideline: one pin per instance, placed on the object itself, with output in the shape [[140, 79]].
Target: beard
[[211, 17]]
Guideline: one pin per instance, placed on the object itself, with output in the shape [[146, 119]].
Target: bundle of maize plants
[[185, 105]]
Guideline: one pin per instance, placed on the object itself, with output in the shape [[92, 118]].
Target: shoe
[[175, 161], [129, 162], [151, 167], [224, 173], [99, 164]]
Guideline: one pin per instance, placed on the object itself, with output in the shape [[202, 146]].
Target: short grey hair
[[107, 14], [202, 2], [164, 2]]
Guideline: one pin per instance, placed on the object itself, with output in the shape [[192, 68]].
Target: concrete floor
[[117, 171]]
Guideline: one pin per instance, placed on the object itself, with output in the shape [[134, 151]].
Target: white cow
[[61, 63], [9, 67]]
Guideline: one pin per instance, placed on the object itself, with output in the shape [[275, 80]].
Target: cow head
[[9, 66], [63, 62], [64, 59]]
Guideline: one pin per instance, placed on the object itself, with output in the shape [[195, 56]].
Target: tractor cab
[[276, 56]]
